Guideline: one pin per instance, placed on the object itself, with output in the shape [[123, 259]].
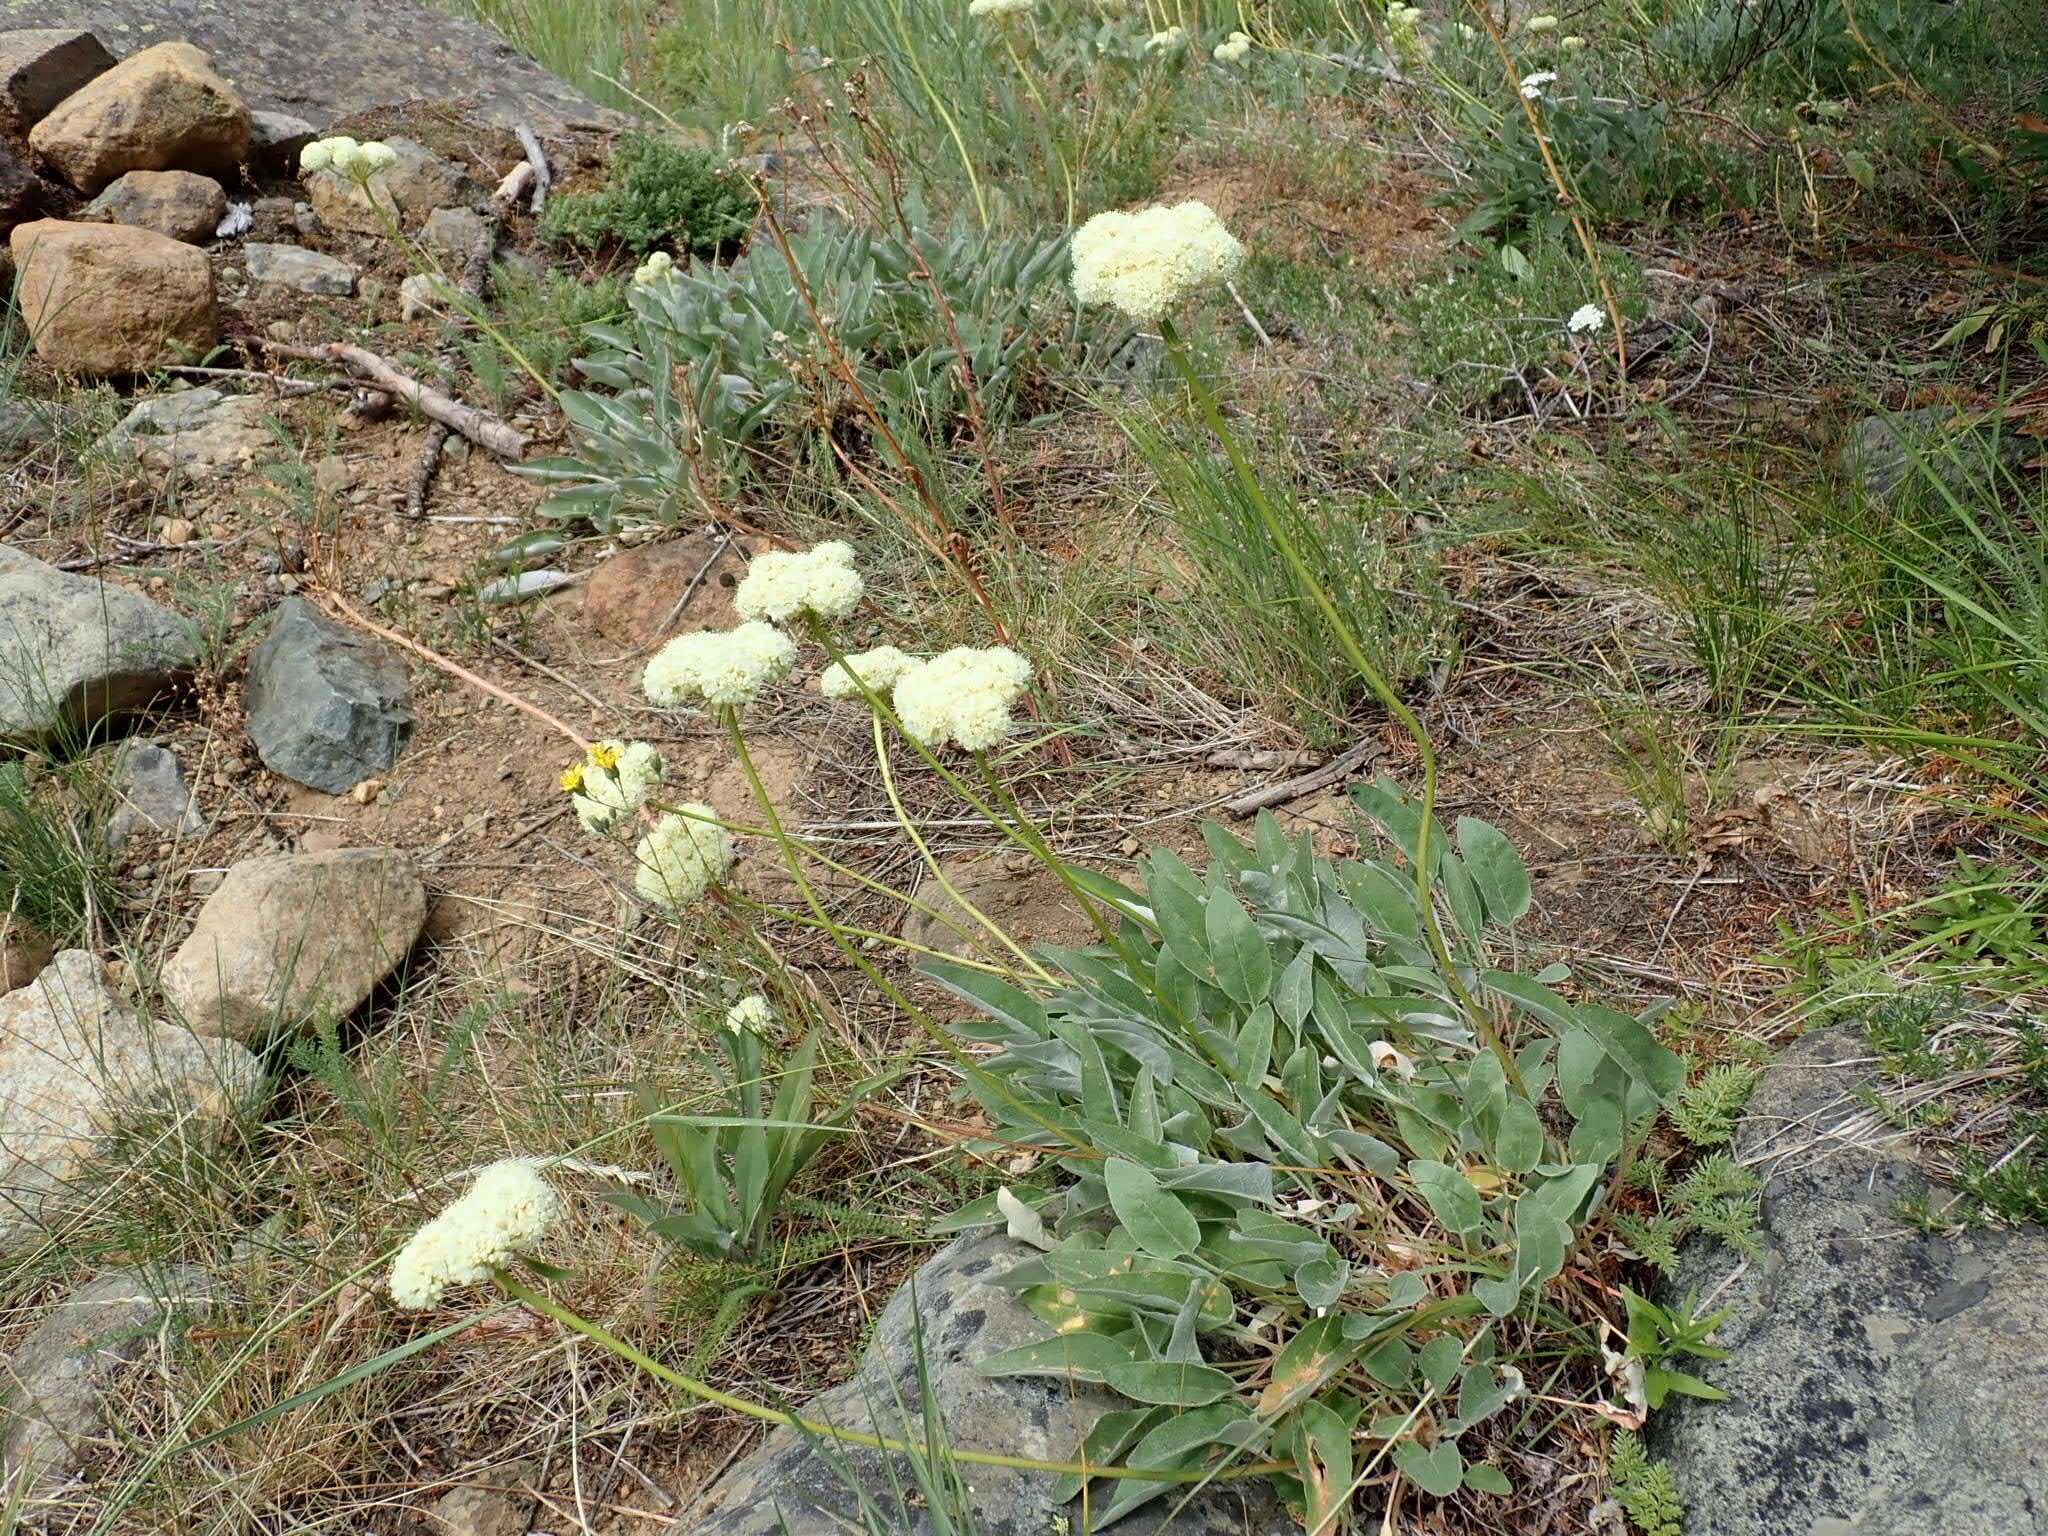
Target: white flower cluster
[[613, 780], [1234, 49], [506, 1210], [1403, 18], [721, 667], [878, 669], [1161, 42], [1572, 44], [999, 7], [821, 581], [963, 695], [685, 853], [345, 157], [1538, 25], [1586, 319], [654, 269], [750, 1016], [1532, 85], [1145, 263]]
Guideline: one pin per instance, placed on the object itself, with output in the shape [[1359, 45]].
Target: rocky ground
[[222, 591]]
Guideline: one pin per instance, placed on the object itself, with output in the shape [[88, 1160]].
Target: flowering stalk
[[1354, 652]]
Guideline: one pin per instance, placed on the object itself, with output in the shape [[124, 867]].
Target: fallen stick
[[480, 427], [1334, 771], [543, 178], [474, 274]]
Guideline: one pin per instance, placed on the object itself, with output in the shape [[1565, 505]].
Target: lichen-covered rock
[[327, 707], [74, 651], [55, 1387], [176, 204], [102, 299], [295, 267], [161, 109], [39, 67], [964, 1318], [290, 935], [1883, 1381], [76, 1062], [199, 433]]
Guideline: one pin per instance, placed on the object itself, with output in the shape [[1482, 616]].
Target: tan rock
[[632, 596], [161, 109], [496, 1506], [24, 951], [402, 194], [39, 67], [173, 203], [290, 935], [110, 298], [76, 1063]]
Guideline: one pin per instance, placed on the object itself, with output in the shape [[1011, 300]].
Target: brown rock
[[24, 951], [111, 298], [289, 935], [21, 191], [173, 203], [158, 109], [401, 195], [495, 1507], [631, 597], [39, 67]]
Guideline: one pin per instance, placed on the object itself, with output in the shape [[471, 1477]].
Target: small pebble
[[179, 530]]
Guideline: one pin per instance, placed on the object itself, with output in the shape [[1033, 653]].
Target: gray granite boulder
[[330, 58], [197, 433], [295, 267], [327, 707], [1886, 453], [74, 651], [965, 1318], [54, 1388], [1883, 1381]]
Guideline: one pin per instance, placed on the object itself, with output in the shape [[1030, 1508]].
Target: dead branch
[[543, 178], [1336, 770], [474, 274], [480, 427]]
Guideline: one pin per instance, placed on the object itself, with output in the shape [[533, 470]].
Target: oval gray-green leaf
[[1155, 1218], [1071, 1356], [1176, 1383]]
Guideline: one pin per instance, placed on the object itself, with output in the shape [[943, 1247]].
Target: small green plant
[[1657, 1336], [659, 194], [54, 872], [732, 1170], [1706, 1112], [1644, 1488]]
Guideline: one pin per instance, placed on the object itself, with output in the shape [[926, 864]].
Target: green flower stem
[[943, 1038], [1354, 652], [704, 1392], [903, 819]]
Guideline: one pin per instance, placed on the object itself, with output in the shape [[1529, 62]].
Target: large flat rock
[[325, 60]]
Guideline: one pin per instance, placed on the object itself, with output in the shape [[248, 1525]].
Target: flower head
[[719, 666], [1540, 24], [1586, 319], [345, 157], [1572, 44], [506, 1210], [654, 269], [822, 581], [999, 7], [1161, 42], [879, 669], [1234, 49], [750, 1016], [613, 780], [1144, 263], [1532, 85], [963, 695], [680, 859]]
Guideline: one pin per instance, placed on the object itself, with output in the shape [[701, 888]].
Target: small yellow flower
[[606, 753], [572, 778]]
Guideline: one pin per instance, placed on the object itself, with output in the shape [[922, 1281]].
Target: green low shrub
[[659, 194]]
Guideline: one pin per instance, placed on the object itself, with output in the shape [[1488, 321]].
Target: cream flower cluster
[[720, 667], [1161, 42], [506, 1210], [964, 695], [680, 859], [821, 581], [750, 1016], [999, 7], [1586, 319], [345, 157], [1538, 25], [878, 669], [613, 780], [1234, 49], [1145, 263], [656, 267]]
